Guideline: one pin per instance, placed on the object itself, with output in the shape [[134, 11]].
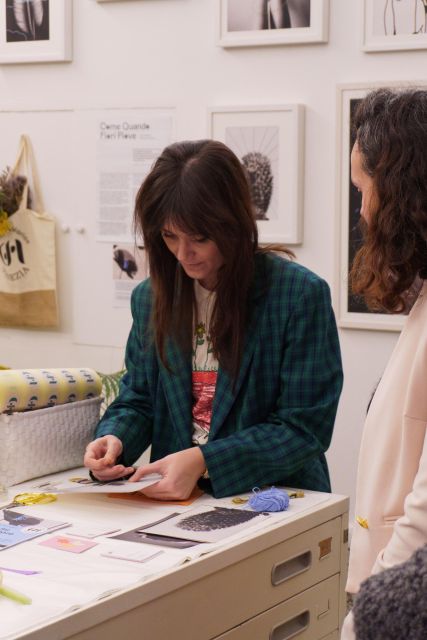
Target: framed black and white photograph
[[269, 142], [352, 311], [35, 31], [391, 25], [272, 22]]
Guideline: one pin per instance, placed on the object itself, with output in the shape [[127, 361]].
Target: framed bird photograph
[[269, 141], [35, 31]]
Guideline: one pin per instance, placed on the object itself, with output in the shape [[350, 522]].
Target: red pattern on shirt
[[204, 383]]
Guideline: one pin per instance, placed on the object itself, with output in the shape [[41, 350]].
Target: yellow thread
[[34, 498], [239, 500], [363, 522], [296, 494]]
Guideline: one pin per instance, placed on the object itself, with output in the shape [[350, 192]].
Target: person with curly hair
[[389, 167], [233, 367]]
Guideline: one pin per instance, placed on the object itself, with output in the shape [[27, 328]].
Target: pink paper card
[[63, 543]]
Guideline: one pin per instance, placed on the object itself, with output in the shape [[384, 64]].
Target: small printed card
[[16, 527], [63, 543], [135, 555]]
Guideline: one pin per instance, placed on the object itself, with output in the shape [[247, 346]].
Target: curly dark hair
[[391, 133]]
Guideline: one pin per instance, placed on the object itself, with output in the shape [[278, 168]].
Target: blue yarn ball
[[272, 499]]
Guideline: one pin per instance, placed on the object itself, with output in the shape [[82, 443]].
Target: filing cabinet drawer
[[239, 591], [311, 615], [284, 569]]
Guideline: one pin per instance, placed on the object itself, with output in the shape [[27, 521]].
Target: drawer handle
[[290, 568], [291, 628]]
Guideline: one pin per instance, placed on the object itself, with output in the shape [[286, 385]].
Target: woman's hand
[[180, 473], [101, 455]]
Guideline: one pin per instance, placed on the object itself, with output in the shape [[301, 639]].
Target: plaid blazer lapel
[[177, 390], [225, 393]]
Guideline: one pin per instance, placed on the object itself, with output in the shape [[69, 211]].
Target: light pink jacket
[[392, 473], [391, 492]]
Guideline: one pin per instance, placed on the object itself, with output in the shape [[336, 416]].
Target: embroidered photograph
[[208, 524], [269, 143]]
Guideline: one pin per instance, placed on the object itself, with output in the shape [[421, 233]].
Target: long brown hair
[[201, 188], [391, 133]]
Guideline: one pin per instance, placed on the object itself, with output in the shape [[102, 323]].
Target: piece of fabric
[[28, 389], [275, 423]]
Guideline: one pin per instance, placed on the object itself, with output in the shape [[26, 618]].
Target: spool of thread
[[272, 499], [27, 389]]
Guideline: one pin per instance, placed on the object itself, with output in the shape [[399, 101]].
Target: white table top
[[69, 581]]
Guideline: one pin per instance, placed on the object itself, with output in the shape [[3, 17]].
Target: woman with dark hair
[[233, 362], [389, 166]]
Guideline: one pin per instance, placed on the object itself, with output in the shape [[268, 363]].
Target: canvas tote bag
[[27, 255]]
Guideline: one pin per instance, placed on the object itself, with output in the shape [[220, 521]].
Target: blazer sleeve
[[290, 444], [410, 530], [129, 416]]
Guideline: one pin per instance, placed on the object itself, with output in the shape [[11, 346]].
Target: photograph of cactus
[[269, 143], [395, 24], [258, 150]]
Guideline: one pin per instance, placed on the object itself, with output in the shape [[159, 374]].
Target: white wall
[[163, 53]]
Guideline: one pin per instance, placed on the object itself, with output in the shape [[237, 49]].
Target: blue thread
[[269, 500]]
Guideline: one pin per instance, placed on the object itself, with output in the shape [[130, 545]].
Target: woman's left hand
[[180, 473]]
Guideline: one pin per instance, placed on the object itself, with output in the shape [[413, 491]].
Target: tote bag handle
[[25, 164]]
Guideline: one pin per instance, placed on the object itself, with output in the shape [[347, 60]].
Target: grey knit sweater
[[392, 605]]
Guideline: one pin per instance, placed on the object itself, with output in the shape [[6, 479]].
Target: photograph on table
[[208, 523], [269, 143], [391, 25], [245, 23], [35, 31], [352, 310]]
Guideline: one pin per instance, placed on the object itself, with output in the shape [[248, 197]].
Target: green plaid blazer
[[274, 425]]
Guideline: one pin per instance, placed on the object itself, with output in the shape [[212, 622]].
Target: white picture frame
[[241, 23], [269, 141], [44, 35], [389, 25], [352, 313]]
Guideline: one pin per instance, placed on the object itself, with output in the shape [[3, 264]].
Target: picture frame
[[35, 32], [352, 311], [269, 141], [248, 23], [389, 25]]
